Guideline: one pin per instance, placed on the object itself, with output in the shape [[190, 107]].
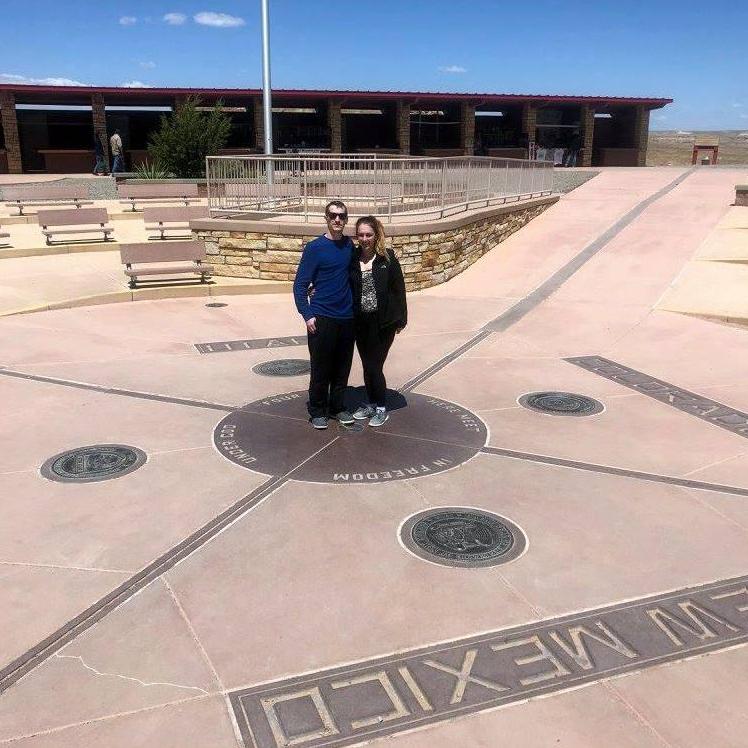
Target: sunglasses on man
[[334, 216]]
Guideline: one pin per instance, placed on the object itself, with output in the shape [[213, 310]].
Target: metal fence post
[[401, 166], [489, 189], [304, 165], [533, 169], [208, 179], [467, 182], [444, 165], [389, 208]]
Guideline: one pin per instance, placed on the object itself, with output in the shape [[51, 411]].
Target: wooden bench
[[159, 220], [181, 192], [160, 259], [81, 221], [45, 196]]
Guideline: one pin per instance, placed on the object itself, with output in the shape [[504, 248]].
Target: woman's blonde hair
[[378, 229]]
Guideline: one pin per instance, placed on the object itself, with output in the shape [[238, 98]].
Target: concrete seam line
[[542, 292], [525, 305], [612, 470], [105, 390]]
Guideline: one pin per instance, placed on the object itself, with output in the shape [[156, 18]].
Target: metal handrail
[[394, 187]]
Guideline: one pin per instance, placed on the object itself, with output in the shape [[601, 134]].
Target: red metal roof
[[147, 93]]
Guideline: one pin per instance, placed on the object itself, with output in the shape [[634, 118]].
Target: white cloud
[[175, 19], [453, 69], [135, 84], [22, 79], [218, 20], [737, 104], [147, 65], [128, 21]]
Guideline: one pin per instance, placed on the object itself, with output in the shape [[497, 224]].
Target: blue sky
[[693, 52]]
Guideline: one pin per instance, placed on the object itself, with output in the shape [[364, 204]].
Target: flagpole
[[267, 103]]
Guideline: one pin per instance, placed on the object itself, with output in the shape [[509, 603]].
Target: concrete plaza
[[249, 584]]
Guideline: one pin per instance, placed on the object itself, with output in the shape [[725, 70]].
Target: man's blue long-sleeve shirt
[[325, 264]]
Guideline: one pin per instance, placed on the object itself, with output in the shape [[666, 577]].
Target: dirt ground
[[674, 147]]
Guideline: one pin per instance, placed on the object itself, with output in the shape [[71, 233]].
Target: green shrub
[[151, 170], [187, 136]]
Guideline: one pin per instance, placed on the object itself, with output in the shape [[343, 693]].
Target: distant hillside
[[674, 147]]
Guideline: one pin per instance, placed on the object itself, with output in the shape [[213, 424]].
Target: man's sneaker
[[344, 417], [320, 422], [380, 417], [363, 412]]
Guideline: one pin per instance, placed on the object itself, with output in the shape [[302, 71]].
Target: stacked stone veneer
[[10, 130], [98, 111], [641, 134], [587, 117], [427, 258], [403, 126]]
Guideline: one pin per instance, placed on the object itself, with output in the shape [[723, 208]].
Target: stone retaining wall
[[428, 257]]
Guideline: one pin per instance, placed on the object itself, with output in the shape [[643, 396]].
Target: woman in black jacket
[[380, 312]]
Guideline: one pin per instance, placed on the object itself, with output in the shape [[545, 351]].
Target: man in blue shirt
[[322, 292]]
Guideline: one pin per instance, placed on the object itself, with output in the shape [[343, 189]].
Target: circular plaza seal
[[424, 435], [282, 367], [561, 403], [95, 463], [463, 537]]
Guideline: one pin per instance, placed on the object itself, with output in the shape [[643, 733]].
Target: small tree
[[187, 136]]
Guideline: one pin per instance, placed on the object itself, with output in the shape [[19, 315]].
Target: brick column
[[467, 128], [403, 127], [10, 130], [258, 111], [587, 120], [529, 122], [335, 123], [641, 134], [98, 113]]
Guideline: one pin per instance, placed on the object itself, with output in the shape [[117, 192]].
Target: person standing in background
[[115, 143], [100, 167]]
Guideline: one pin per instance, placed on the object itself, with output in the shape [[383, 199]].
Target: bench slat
[[77, 217], [135, 200], [169, 269], [171, 251], [104, 229], [41, 191], [178, 189], [167, 226], [183, 214], [54, 201], [21, 204]]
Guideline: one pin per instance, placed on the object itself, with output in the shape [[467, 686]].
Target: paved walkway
[[254, 582]]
